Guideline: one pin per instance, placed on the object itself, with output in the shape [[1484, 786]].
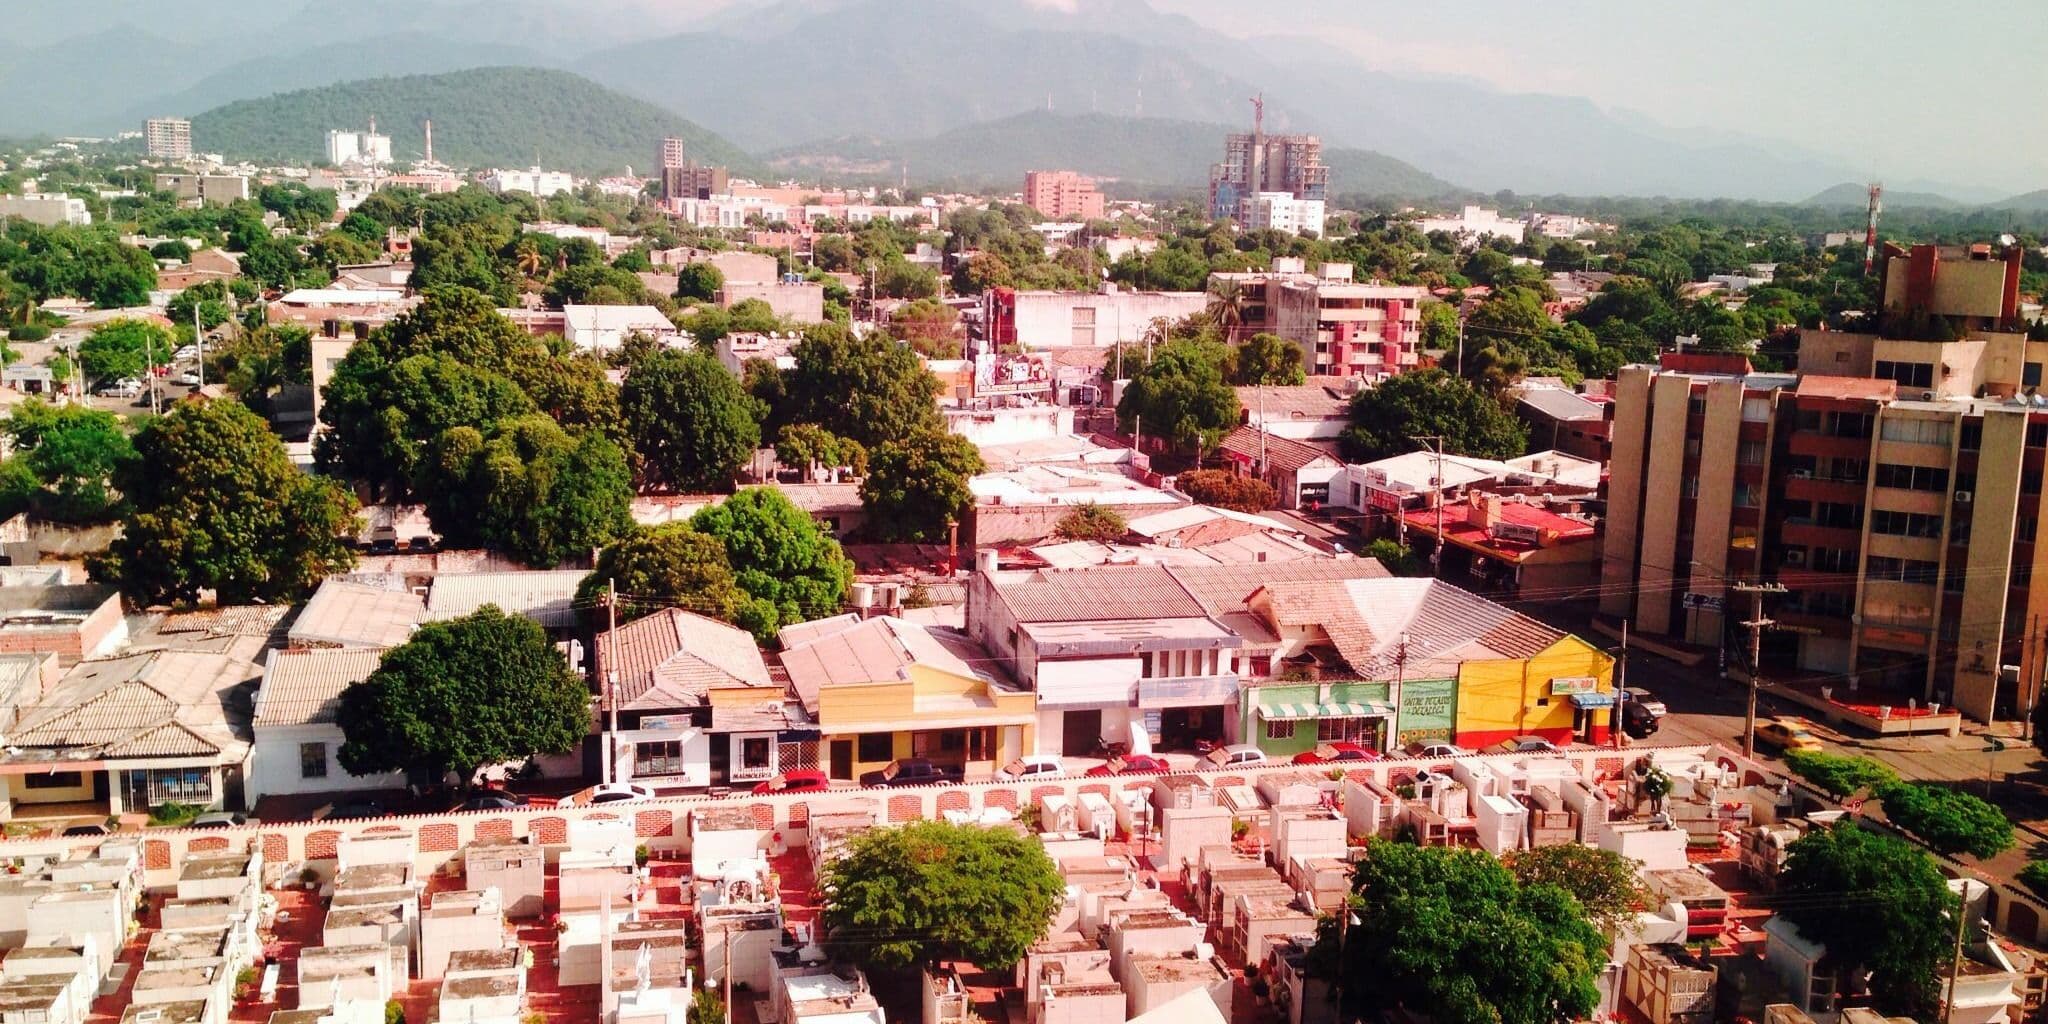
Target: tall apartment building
[[673, 153], [693, 181], [1893, 486], [1345, 328], [1063, 195], [219, 189], [1280, 211], [1255, 162], [168, 138]]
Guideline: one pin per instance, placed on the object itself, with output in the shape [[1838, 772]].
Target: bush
[[1839, 775], [28, 332], [1224, 489], [1092, 522], [173, 814], [2035, 877], [1949, 821], [394, 1012]]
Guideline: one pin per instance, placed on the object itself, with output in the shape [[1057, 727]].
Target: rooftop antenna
[[1258, 117], [1870, 229]]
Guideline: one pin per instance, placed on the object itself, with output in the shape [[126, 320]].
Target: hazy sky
[[1917, 84]]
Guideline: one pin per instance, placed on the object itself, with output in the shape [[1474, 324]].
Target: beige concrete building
[[1346, 328]]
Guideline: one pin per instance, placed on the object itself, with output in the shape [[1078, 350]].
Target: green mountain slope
[[1851, 195], [483, 117], [1139, 151]]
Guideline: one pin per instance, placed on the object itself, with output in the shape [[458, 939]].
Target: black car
[[1638, 720], [88, 830], [910, 771]]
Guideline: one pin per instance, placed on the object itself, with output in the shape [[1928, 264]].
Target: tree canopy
[[124, 348], [67, 455], [671, 565], [789, 569], [1386, 419], [1875, 902], [1182, 395], [916, 486], [1839, 775], [530, 489], [1225, 489], [1452, 933], [915, 894], [1266, 359], [1608, 885], [812, 447], [872, 390], [1092, 522], [690, 419], [1949, 821], [215, 504], [461, 695]]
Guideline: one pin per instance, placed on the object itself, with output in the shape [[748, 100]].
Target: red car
[[794, 782], [1339, 751], [1131, 764]]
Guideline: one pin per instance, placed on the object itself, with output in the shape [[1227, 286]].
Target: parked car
[[1524, 745], [353, 809], [1436, 750], [492, 800], [1788, 734], [1637, 720], [190, 378], [1236, 755], [610, 793], [794, 782], [909, 771], [1130, 764], [185, 352], [1638, 695], [1338, 751], [1034, 766], [127, 387], [217, 819], [420, 545], [89, 830]]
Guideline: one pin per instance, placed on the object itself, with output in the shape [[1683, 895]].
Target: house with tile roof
[[1515, 545], [1298, 471], [885, 688], [296, 732], [693, 702]]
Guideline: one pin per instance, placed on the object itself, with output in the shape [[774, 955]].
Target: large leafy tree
[[1452, 933], [530, 489], [917, 486], [1225, 489], [1386, 419], [666, 566], [1877, 903], [690, 419], [1948, 820], [811, 447], [215, 504], [870, 389], [700, 281], [1608, 885], [1182, 395], [70, 454], [784, 562], [462, 695], [917, 894], [124, 348], [1266, 359]]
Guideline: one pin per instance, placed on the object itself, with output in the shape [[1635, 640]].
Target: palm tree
[[529, 260], [22, 310], [1226, 308]]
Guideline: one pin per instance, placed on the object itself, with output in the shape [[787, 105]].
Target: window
[[1836, 514], [1692, 447], [1915, 478], [1756, 410], [2031, 375], [2037, 435], [1909, 375], [1346, 730], [1833, 560], [1691, 486], [1905, 524], [1750, 453], [1972, 437], [1745, 496], [1279, 730], [1917, 431], [54, 780], [1696, 405], [876, 746], [756, 752], [1901, 570], [664, 757], [2025, 529], [312, 760]]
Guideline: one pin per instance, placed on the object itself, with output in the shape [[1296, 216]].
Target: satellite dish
[[2005, 239]]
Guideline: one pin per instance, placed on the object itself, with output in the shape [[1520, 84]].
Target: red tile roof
[[1459, 529], [1283, 453]]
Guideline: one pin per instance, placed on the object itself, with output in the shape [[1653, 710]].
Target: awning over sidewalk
[[1284, 712], [1592, 700]]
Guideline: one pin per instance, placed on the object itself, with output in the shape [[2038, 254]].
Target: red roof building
[[1512, 546]]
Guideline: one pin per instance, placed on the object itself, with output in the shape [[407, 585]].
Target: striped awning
[[1284, 712], [1593, 700]]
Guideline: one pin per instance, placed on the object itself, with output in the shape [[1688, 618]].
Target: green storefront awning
[[1291, 712]]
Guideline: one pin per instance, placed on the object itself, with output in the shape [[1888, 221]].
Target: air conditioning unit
[[1964, 497], [1795, 556]]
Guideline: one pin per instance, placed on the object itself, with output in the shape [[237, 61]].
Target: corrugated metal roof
[[350, 614], [1116, 592], [674, 658], [881, 650], [547, 597], [1420, 627], [1559, 404], [305, 687]]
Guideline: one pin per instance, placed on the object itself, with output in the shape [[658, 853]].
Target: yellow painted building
[[1566, 692], [882, 689]]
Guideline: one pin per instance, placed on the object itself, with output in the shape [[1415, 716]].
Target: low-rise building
[[796, 301], [1514, 545], [1057, 319], [1346, 328], [532, 180], [1474, 224], [47, 210], [1298, 471], [216, 189], [1568, 421], [605, 328], [297, 730], [668, 675]]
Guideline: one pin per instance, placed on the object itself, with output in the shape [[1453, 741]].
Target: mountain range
[[776, 76]]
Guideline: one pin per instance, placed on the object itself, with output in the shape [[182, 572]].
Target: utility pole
[[610, 682], [1434, 443], [1955, 966], [199, 339], [1756, 625], [1620, 685]]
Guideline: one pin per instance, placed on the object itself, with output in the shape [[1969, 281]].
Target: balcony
[[1807, 533], [1808, 488], [1808, 442], [1187, 691]]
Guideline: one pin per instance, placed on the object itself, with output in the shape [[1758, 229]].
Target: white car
[[1237, 755], [1034, 766], [1638, 695], [612, 793], [127, 387], [1438, 750], [189, 378], [187, 352]]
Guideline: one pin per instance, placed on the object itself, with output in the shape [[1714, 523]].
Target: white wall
[[274, 764]]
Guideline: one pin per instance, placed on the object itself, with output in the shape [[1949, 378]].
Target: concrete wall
[[274, 764], [1624, 491]]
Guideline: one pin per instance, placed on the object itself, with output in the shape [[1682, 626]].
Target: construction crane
[[1870, 228]]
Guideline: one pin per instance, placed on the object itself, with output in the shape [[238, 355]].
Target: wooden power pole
[[1756, 626]]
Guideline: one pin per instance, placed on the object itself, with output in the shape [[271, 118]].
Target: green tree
[[1386, 419], [531, 489], [71, 453], [1399, 560], [215, 504], [1949, 821], [124, 348], [700, 281], [917, 486], [1182, 395], [1877, 904], [1225, 489], [1839, 775], [813, 447], [916, 894], [690, 420], [208, 298], [1452, 933], [1092, 522], [1608, 885], [784, 562], [872, 390], [460, 696], [1266, 359], [666, 566]]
